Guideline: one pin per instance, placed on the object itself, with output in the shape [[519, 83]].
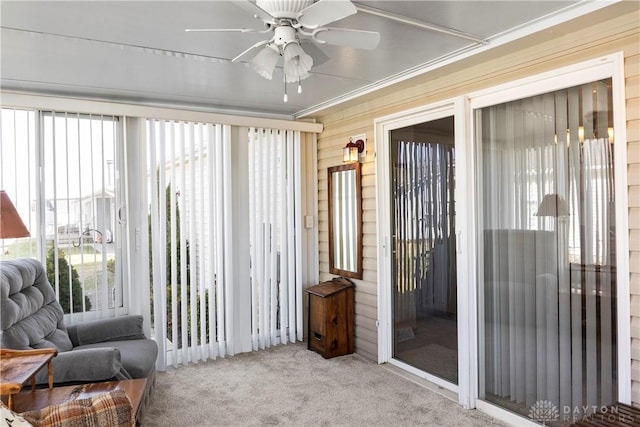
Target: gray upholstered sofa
[[100, 350]]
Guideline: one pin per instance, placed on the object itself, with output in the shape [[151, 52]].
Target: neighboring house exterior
[[92, 213], [613, 30]]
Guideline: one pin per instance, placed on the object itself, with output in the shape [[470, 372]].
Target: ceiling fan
[[293, 22]]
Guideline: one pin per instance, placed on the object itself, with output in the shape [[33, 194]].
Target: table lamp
[[11, 226]]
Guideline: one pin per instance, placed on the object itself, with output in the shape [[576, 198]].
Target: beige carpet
[[291, 386]]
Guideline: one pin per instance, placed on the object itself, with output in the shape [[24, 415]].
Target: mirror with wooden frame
[[345, 221]]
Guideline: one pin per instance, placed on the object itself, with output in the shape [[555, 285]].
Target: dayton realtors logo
[[544, 412]]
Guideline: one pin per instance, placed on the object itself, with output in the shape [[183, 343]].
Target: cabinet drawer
[[316, 341]]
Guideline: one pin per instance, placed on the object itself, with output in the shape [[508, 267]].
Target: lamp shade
[[265, 61], [553, 205], [11, 226], [296, 62]]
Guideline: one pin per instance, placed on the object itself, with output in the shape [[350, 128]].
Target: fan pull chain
[[286, 97], [299, 86]]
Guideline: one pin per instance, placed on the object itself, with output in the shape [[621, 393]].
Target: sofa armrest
[[104, 330], [84, 365]]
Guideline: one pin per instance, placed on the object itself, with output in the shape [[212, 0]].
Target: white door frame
[[466, 317], [469, 355]]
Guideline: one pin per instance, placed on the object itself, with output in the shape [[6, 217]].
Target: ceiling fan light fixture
[[297, 62], [293, 22], [284, 8], [265, 61], [294, 79]]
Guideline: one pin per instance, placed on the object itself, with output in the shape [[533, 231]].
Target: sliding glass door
[[547, 264], [81, 196], [61, 171], [424, 276]]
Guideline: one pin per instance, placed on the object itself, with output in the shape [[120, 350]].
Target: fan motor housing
[[284, 9], [284, 35]]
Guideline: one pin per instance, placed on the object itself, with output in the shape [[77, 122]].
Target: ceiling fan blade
[[344, 37], [224, 30], [324, 12], [255, 10], [251, 49], [318, 55]]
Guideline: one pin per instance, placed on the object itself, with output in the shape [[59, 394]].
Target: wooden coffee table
[[18, 366], [40, 398]]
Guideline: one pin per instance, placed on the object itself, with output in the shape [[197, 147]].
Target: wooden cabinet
[[330, 323]]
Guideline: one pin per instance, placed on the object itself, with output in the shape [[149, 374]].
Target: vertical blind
[[187, 182], [275, 205], [549, 261], [424, 229], [190, 184], [73, 215]]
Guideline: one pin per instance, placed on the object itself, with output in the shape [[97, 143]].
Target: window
[[547, 244], [72, 210], [18, 177]]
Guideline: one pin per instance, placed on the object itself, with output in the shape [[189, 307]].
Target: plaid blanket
[[107, 409]]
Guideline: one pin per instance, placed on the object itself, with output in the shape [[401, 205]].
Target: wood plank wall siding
[[609, 30]]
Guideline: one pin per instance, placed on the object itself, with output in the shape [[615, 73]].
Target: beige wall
[[609, 30]]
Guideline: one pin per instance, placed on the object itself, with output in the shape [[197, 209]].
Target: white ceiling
[[137, 51]]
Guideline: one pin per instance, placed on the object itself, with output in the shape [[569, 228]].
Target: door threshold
[[423, 382], [504, 415]]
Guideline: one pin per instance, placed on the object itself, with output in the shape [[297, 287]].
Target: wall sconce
[[354, 149]]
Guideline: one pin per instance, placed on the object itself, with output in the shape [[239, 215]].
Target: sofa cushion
[[31, 315], [113, 329], [138, 356], [88, 365]]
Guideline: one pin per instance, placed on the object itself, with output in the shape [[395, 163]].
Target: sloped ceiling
[[138, 51]]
